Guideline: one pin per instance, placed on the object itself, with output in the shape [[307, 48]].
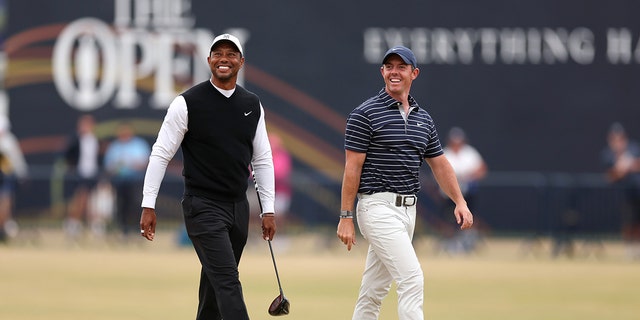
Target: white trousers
[[391, 257]]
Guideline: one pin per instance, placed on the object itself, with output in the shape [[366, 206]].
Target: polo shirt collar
[[390, 102]]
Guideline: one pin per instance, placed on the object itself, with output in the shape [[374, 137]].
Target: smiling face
[[398, 76], [225, 61]]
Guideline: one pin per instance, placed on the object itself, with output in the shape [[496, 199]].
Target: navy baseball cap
[[404, 53]]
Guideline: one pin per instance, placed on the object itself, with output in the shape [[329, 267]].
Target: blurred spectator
[[621, 159], [82, 160], [282, 167], [125, 161], [13, 169], [470, 168], [100, 207]]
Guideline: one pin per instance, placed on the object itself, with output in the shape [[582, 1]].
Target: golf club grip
[[255, 182]]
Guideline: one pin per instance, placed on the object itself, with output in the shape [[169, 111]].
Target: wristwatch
[[346, 214]]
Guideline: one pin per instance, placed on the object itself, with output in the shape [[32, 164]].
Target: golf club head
[[279, 306]]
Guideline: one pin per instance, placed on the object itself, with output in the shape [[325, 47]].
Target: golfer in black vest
[[221, 129]]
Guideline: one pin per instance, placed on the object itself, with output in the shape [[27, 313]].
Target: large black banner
[[535, 84]]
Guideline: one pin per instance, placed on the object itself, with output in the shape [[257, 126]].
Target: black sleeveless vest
[[218, 146]]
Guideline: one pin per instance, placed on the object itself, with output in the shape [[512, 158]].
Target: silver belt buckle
[[405, 201], [409, 201]]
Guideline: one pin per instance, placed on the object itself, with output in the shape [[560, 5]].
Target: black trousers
[[218, 231]]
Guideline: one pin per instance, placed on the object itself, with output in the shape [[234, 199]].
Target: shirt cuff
[[149, 202]]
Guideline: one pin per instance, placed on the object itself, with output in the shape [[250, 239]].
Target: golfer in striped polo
[[387, 138]]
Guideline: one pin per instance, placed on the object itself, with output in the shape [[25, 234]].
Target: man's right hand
[[347, 232]]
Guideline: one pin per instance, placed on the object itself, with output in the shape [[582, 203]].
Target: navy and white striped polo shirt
[[395, 148]]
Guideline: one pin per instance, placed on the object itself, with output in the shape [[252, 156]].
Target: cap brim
[[405, 59]]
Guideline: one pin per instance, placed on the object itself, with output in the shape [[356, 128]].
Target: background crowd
[[103, 178]]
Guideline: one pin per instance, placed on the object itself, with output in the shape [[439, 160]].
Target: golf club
[[280, 305]]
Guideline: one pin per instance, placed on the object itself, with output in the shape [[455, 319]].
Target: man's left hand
[[268, 226], [464, 217]]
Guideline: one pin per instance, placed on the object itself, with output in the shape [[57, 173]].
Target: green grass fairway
[[46, 279]]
